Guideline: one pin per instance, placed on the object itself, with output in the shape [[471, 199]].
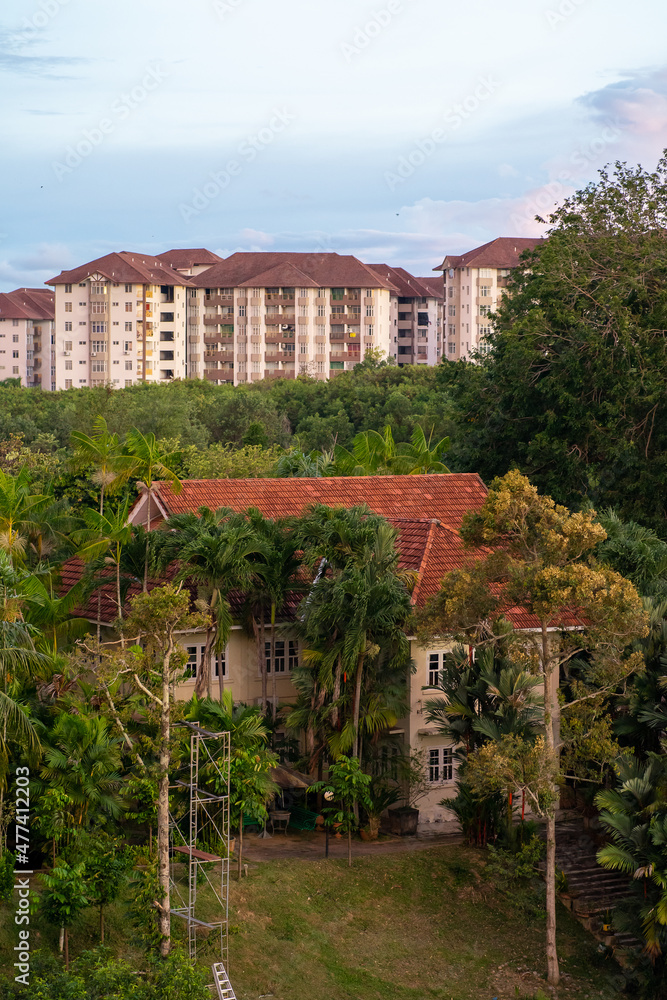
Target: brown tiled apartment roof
[[405, 283], [189, 258], [436, 286], [326, 270], [135, 268], [504, 252], [27, 303]]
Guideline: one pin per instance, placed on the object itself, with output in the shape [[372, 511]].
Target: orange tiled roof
[[445, 497]]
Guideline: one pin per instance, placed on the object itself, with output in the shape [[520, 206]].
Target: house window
[[280, 660], [436, 662], [440, 765], [292, 654], [220, 663], [68, 366], [68, 345], [68, 289], [68, 307], [128, 327], [128, 288], [128, 307], [128, 366], [68, 384], [191, 665], [68, 326]]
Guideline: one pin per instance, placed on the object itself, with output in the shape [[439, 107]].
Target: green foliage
[[559, 396], [350, 787], [65, 894], [145, 895], [506, 866], [224, 461], [7, 862]]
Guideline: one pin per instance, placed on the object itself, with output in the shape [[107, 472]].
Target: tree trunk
[[164, 909], [148, 528], [262, 662], [203, 680], [118, 598], [550, 717], [240, 843], [66, 949], [274, 682], [357, 703], [61, 940], [336, 692]]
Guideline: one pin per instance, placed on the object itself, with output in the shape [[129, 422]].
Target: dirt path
[[310, 846]]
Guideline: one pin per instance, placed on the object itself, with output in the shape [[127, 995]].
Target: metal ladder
[[222, 983]]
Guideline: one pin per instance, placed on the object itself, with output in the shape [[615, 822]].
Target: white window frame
[[440, 766]]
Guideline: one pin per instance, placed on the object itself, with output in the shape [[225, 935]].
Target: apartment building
[[276, 315], [474, 283], [119, 319], [416, 316], [26, 332], [190, 262]]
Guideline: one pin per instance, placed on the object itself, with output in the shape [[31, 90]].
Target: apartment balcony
[[484, 300], [283, 373], [279, 297], [219, 300], [273, 356], [345, 338], [224, 356], [346, 300]]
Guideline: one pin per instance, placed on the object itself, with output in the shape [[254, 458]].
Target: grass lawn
[[393, 927]]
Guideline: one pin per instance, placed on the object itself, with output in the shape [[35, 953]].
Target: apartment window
[[15, 370], [485, 291], [320, 366], [451, 293], [98, 308], [98, 366], [368, 330], [82, 343], [337, 293], [256, 366], [321, 310], [82, 362], [128, 382], [68, 326], [166, 317], [303, 348], [68, 384], [98, 346], [242, 310], [166, 355], [484, 310], [82, 322], [15, 338], [451, 310], [370, 310], [440, 765], [128, 327], [303, 310], [82, 284], [485, 272], [128, 366], [127, 346], [68, 366], [68, 345], [451, 348], [68, 289], [128, 307], [68, 307], [99, 328], [98, 289], [15, 354], [369, 293], [128, 288]]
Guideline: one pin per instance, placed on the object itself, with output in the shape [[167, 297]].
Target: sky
[[395, 130]]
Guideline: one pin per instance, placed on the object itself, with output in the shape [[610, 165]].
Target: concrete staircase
[[592, 891]]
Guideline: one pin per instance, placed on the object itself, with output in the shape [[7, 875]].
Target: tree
[[150, 463], [20, 515], [103, 541], [102, 450], [107, 866], [217, 550], [154, 620], [634, 813], [64, 899], [82, 760], [350, 788], [539, 565], [558, 395]]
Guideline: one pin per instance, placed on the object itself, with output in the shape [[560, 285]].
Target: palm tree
[[103, 541], [421, 456], [51, 613], [20, 512], [276, 577], [83, 760], [103, 451], [218, 550], [150, 464]]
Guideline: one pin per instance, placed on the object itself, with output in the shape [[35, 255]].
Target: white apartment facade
[[474, 283], [416, 316], [118, 320], [26, 332], [278, 315]]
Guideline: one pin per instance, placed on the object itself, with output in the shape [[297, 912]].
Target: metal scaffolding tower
[[203, 822]]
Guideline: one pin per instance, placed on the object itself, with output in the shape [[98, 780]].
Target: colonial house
[[427, 511]]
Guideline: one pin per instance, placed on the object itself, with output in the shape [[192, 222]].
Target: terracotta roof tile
[[137, 268], [27, 303], [502, 252], [326, 270], [189, 258]]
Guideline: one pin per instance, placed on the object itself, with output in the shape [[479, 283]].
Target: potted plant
[[381, 796], [404, 820]]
